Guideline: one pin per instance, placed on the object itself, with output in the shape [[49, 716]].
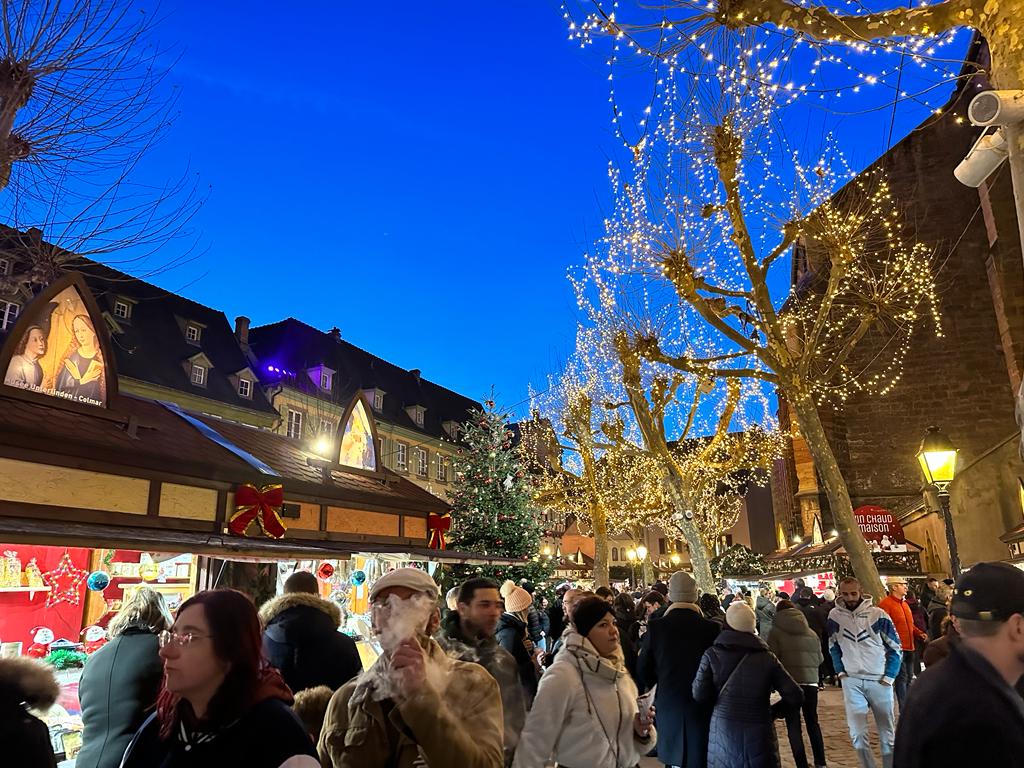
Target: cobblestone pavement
[[838, 749]]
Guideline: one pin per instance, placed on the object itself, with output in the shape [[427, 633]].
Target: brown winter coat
[[460, 726]]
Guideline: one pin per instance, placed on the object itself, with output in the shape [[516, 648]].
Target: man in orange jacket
[[895, 604]]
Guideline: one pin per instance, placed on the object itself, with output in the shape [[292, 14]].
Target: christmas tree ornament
[[65, 582], [98, 581], [358, 578], [325, 571], [148, 570]]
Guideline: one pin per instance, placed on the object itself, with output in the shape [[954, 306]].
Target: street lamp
[[676, 559], [641, 552], [631, 556], [937, 456]]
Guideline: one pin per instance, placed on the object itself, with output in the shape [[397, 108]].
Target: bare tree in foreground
[[81, 105]]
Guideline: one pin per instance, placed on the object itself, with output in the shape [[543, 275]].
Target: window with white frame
[[418, 417], [245, 388], [442, 468], [325, 379], [122, 309], [294, 424], [8, 314], [401, 456], [378, 400], [381, 450], [326, 426], [193, 333], [5, 266], [421, 462], [198, 375]]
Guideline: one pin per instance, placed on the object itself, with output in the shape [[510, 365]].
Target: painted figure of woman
[[24, 369], [80, 375]]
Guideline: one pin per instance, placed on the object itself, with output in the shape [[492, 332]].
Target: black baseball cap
[[989, 592]]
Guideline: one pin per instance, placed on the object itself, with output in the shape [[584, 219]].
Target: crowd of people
[[495, 679]]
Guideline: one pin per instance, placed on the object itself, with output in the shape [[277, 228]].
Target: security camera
[[987, 154], [997, 108]]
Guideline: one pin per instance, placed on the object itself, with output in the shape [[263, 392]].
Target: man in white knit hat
[[669, 657]]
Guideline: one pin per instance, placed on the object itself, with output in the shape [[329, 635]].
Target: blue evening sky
[[420, 176]]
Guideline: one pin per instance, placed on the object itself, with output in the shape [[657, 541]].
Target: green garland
[[737, 560], [64, 658]]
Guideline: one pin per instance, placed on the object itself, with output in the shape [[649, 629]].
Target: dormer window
[[193, 333], [322, 377], [245, 389], [378, 400], [123, 308], [452, 428], [417, 414], [198, 375], [5, 266]]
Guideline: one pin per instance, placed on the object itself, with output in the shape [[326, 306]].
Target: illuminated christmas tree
[[492, 512]]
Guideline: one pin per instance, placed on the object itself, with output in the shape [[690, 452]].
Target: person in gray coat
[[798, 647], [764, 610], [738, 673], [121, 680]]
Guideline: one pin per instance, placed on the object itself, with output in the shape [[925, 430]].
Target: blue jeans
[[902, 682], [859, 696]]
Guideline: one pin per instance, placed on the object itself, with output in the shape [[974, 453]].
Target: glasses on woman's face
[[181, 639]]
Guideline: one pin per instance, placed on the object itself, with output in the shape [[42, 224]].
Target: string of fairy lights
[[710, 196]]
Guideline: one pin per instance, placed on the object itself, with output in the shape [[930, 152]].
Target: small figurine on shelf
[[94, 637], [42, 637], [12, 569], [33, 576]]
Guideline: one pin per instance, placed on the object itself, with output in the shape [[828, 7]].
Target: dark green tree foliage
[[492, 508]]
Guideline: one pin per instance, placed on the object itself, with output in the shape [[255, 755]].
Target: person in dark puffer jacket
[[301, 637], [513, 636], [738, 673], [798, 648]]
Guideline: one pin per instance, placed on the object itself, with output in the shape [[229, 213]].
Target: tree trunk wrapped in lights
[[703, 211]]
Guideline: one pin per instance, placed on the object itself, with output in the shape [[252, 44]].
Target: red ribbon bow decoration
[[438, 524], [261, 504]]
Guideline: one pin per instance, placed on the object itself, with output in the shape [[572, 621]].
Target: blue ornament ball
[[358, 578], [98, 581]]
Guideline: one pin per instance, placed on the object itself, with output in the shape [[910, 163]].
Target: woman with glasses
[[120, 683], [222, 704]]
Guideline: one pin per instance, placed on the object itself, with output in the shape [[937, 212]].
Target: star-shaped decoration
[[65, 582]]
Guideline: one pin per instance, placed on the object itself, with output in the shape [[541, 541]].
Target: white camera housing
[[997, 108], [987, 154]]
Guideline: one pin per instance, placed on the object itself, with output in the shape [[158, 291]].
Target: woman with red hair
[[221, 703]]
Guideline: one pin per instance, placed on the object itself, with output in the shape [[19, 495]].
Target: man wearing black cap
[[964, 711]]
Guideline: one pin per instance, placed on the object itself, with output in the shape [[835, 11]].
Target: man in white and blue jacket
[[866, 653]]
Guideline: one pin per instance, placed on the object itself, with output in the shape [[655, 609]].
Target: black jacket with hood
[[510, 635], [24, 738], [301, 639]]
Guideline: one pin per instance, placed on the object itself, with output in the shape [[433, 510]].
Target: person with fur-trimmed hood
[[301, 637], [25, 739]]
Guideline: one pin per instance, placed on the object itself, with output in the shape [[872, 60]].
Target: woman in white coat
[[585, 713]]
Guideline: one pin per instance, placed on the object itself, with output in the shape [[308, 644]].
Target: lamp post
[[641, 556], [631, 556], [937, 456]]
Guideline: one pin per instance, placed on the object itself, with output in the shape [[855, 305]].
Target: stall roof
[[140, 434]]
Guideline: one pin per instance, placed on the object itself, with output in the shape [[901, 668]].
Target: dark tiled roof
[[167, 443], [296, 347], [153, 348]]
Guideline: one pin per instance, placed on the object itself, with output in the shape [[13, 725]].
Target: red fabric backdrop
[[18, 614]]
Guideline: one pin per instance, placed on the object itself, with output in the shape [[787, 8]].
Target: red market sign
[[880, 529]]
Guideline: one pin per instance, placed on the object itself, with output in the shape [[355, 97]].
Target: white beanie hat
[[682, 588], [829, 595], [739, 617], [516, 598]]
